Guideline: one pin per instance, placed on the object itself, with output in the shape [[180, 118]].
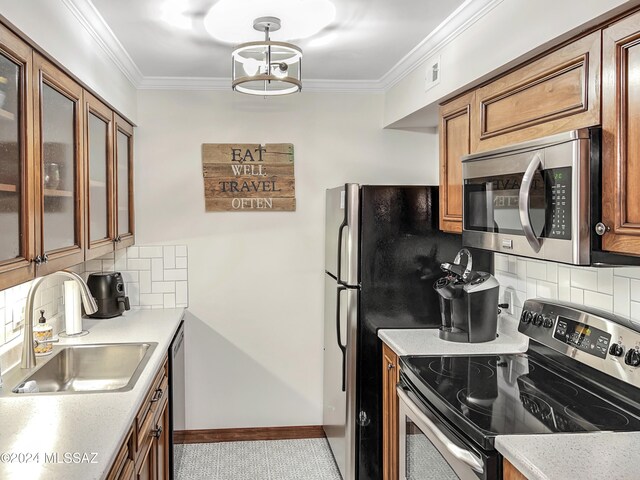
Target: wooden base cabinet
[[144, 454], [509, 472], [621, 136], [390, 378]]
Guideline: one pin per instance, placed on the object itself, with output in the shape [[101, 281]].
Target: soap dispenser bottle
[[41, 333]]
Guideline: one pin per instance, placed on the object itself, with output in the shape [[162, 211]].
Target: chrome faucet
[[89, 303]]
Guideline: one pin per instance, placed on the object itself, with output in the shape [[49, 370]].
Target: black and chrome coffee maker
[[468, 302]]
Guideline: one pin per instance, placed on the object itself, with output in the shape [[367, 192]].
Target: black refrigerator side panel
[[401, 249]]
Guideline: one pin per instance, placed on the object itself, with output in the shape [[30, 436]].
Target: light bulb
[[251, 66], [280, 69]]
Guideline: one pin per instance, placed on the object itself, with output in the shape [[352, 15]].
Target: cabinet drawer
[[556, 93], [124, 464], [147, 416]]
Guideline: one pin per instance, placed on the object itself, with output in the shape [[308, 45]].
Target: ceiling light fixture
[[266, 68]]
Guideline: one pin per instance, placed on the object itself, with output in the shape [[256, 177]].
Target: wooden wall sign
[[248, 177]]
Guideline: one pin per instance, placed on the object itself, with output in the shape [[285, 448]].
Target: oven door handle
[[524, 201], [465, 456]]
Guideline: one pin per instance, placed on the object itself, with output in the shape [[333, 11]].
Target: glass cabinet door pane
[[98, 192], [58, 169], [10, 164], [123, 182]]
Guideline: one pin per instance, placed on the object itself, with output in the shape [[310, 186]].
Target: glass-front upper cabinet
[[59, 177], [99, 177], [124, 221], [17, 242]]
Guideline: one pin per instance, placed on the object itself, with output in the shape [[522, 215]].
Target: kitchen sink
[[92, 368]]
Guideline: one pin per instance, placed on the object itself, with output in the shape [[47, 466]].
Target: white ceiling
[[369, 37]]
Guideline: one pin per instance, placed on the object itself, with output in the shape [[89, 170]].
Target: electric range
[[579, 375]]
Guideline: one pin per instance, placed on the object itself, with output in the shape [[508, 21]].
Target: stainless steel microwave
[[531, 199]]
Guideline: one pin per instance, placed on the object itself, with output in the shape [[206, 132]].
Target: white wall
[[511, 29], [53, 26], [254, 336]]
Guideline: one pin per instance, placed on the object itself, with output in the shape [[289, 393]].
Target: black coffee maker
[[108, 290], [468, 302]]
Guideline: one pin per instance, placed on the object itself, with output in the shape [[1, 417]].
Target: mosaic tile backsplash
[[614, 289], [155, 277]]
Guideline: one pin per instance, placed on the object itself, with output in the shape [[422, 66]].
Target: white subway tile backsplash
[[130, 276], [537, 270], [138, 264], [151, 299], [181, 262], [169, 257], [145, 281], [182, 296], [598, 300], [605, 280], [635, 290], [614, 289], [577, 295], [133, 252], [181, 274], [584, 278], [157, 270], [163, 287], [169, 300], [151, 252], [621, 300], [181, 251]]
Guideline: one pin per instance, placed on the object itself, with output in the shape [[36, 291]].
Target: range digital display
[[583, 337]]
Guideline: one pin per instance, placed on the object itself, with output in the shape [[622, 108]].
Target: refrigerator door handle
[[340, 231], [342, 347]]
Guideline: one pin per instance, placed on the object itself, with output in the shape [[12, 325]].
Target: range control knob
[[548, 322], [616, 350], [526, 316], [632, 357], [538, 319]]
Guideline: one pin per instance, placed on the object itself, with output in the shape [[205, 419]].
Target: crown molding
[[457, 22], [224, 84], [97, 27], [451, 27]]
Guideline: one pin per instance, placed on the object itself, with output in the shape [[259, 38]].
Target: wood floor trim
[[247, 434]]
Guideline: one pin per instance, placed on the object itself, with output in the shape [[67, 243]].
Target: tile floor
[[307, 459]]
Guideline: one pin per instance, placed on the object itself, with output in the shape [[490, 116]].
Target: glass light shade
[[251, 74]]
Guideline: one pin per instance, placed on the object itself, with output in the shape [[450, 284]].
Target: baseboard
[[247, 434]]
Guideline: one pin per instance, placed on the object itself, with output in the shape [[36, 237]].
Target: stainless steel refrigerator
[[383, 250]]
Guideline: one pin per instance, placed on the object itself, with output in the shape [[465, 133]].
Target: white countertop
[[81, 423], [425, 341], [589, 456]]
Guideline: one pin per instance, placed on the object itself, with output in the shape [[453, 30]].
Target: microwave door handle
[[465, 456], [523, 203]]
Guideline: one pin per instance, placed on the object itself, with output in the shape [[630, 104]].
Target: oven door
[[429, 450]]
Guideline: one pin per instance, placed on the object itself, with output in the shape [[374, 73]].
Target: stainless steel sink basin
[[92, 368]]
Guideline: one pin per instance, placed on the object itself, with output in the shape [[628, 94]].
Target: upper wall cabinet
[[124, 222], [99, 171], [621, 136], [455, 141], [17, 239], [66, 168], [557, 93], [58, 154]]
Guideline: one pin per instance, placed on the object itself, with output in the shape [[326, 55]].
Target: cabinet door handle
[[37, 260], [45, 258], [156, 395], [157, 431], [390, 366]]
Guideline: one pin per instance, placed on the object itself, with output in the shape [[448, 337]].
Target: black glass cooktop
[[485, 396]]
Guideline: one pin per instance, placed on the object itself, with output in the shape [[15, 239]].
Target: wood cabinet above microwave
[[556, 93]]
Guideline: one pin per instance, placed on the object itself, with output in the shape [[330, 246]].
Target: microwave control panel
[[558, 184]]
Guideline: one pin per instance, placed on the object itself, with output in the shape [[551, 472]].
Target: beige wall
[[254, 339]]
